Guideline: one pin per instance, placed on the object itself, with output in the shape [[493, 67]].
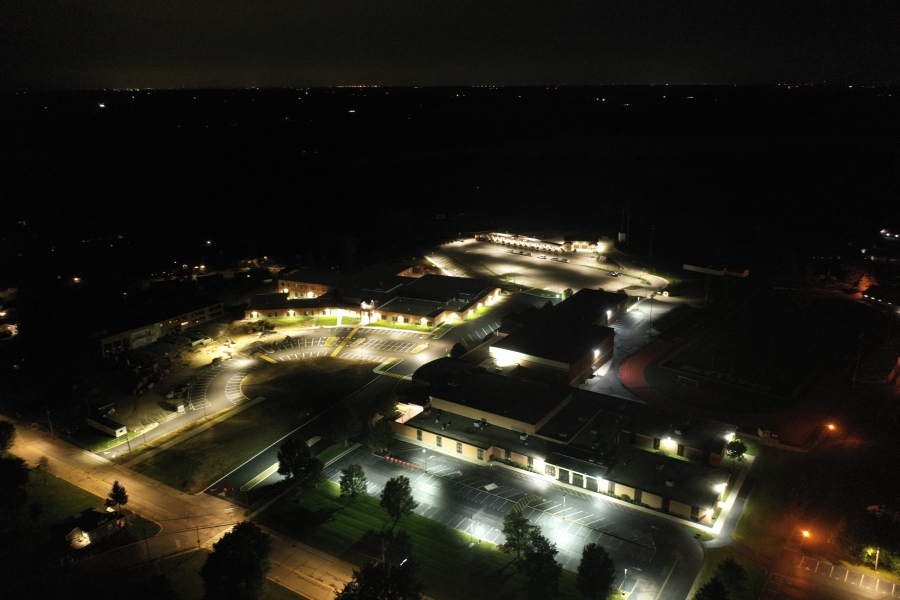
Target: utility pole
[[877, 556], [49, 422]]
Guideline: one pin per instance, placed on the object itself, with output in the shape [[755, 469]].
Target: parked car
[[544, 256], [615, 274]]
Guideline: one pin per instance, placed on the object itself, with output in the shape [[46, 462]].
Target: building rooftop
[[589, 306], [559, 340], [283, 301], [412, 306], [619, 414], [441, 370], [440, 288], [499, 395]]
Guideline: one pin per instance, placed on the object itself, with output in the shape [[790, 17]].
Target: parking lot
[[475, 500]]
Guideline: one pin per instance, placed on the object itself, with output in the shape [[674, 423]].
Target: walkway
[[187, 521]]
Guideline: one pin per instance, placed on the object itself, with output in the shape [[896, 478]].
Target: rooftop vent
[[660, 466], [677, 432], [670, 482]]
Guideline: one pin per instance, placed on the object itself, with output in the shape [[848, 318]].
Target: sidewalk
[[187, 521]]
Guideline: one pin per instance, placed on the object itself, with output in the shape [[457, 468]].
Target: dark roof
[[316, 277], [92, 518], [283, 302], [618, 414], [412, 306], [441, 288], [441, 370], [495, 394], [556, 339], [589, 306]]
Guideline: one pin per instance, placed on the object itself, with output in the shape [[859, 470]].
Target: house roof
[[284, 302], [441, 370]]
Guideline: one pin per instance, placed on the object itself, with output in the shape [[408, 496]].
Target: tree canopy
[[383, 581], [457, 350], [381, 435], [345, 425], [396, 498], [735, 450], [541, 568], [296, 462], [731, 574], [118, 495], [238, 565], [517, 530], [713, 589], [7, 435], [596, 572], [352, 482]]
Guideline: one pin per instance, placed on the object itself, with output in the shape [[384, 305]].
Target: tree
[[35, 510], [457, 350], [239, 563], [731, 574], [13, 478], [383, 581], [517, 530], [352, 482], [567, 293], [385, 404], [381, 435], [43, 467], [713, 589], [596, 572], [396, 498], [295, 461], [7, 435], [735, 450], [345, 425], [541, 568], [118, 495]]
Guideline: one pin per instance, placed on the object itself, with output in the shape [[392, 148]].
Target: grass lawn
[[183, 571], [326, 321], [292, 390], [30, 546], [350, 320], [288, 320], [96, 441], [331, 452], [756, 575], [764, 524], [449, 569], [442, 329]]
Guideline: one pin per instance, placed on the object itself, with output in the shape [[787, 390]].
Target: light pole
[[564, 497], [624, 578], [650, 322]]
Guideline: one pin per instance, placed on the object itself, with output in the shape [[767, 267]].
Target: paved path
[[187, 521]]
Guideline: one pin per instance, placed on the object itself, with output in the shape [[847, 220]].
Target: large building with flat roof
[[599, 443], [566, 343], [376, 293]]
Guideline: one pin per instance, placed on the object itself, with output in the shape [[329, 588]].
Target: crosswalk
[[233, 391]]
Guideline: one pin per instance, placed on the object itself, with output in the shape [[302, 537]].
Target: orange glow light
[[805, 534]]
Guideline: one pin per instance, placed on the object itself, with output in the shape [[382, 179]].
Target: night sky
[[63, 44]]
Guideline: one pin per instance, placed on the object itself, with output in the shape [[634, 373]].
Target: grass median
[[292, 389], [448, 567]]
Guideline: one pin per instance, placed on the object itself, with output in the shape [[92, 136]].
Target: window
[[550, 470], [638, 496], [530, 461], [480, 454], [611, 489], [507, 454], [680, 451], [656, 443], [394, 319], [419, 434], [440, 441], [459, 447]]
